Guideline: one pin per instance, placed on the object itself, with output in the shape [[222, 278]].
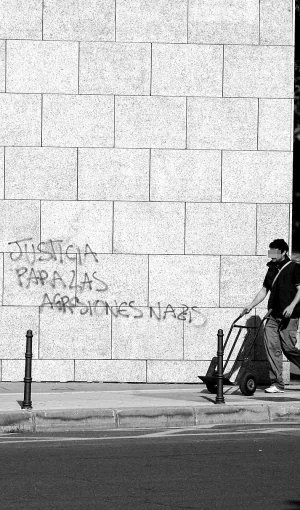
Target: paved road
[[245, 467]]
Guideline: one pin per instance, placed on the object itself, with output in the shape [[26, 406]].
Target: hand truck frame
[[245, 379]]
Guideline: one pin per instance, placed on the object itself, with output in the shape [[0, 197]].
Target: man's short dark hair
[[279, 244]]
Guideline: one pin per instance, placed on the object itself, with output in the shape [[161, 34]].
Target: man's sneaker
[[273, 389]]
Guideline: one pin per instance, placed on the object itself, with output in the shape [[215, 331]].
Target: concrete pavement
[[92, 406]]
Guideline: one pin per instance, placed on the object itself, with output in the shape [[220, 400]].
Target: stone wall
[[145, 165]]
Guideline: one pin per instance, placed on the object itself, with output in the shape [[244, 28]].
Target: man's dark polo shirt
[[284, 289]]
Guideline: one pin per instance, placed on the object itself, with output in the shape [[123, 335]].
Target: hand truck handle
[[238, 318]]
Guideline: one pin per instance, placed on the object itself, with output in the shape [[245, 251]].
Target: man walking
[[283, 282]]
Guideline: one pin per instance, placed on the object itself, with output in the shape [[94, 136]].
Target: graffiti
[[127, 309], [57, 284], [27, 278], [55, 250]]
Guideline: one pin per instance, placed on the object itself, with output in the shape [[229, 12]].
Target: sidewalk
[[94, 406]]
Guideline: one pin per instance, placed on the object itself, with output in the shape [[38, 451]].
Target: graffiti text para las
[[29, 277]]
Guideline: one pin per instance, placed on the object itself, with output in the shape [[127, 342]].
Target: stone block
[[188, 279], [159, 417], [275, 130], [115, 68], [40, 173], [42, 67], [183, 175], [162, 21], [14, 323], [187, 70], [151, 122], [276, 22], [234, 414], [2, 66], [27, 280], [73, 335], [222, 123], [12, 370], [78, 121], [113, 174], [254, 177], [262, 71], [83, 20], [42, 370], [74, 420], [223, 22], [148, 227], [79, 223], [1, 277], [284, 412], [1, 173], [241, 279], [147, 337], [18, 220], [16, 421], [272, 223], [110, 370], [159, 371], [123, 278], [20, 19], [201, 342], [233, 225], [286, 370], [20, 119]]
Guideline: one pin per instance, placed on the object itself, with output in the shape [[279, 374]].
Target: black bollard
[[27, 404], [220, 396]]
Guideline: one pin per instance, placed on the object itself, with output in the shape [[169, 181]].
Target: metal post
[[220, 396], [27, 404]]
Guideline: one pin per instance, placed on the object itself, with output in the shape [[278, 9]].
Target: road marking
[[164, 434], [192, 432], [174, 432]]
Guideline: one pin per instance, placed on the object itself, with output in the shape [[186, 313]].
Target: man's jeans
[[277, 340]]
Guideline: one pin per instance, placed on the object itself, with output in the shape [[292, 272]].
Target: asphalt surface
[[243, 467]]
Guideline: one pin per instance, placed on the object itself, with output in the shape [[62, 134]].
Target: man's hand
[[260, 296], [246, 310], [287, 312]]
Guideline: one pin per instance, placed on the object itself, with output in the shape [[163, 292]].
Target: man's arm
[[287, 312], [260, 296]]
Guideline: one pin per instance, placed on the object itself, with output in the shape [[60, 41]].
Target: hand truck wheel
[[211, 387], [248, 384]]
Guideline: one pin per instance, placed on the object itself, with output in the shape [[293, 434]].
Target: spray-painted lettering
[[55, 250], [57, 284], [125, 309]]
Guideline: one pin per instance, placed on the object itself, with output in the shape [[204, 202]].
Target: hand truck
[[245, 378]]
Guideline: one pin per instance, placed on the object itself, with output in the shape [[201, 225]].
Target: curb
[[149, 417]]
